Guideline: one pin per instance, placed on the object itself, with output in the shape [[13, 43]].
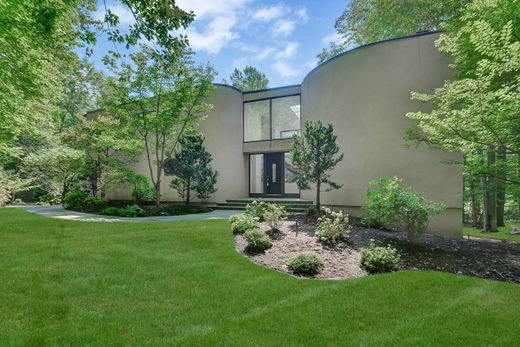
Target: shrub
[[132, 211], [112, 211], [390, 204], [310, 213], [94, 204], [332, 227], [74, 200], [257, 241], [256, 209], [305, 264], [377, 259], [273, 215], [143, 189], [49, 199], [240, 223]]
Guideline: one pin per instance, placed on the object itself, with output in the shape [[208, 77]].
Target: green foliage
[[476, 112], [192, 167], [74, 200], [49, 199], [57, 169], [390, 204], [132, 211], [273, 215], [106, 144], [256, 209], [305, 264], [332, 227], [240, 223], [257, 241], [112, 211], [13, 183], [367, 21], [93, 204], [142, 190], [248, 79], [376, 259], [316, 154], [160, 97]]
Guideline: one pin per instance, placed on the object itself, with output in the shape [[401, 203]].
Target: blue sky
[[281, 38]]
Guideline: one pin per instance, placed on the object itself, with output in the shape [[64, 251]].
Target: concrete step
[[275, 201], [224, 206]]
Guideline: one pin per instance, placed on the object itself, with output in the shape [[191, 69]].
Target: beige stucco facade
[[364, 94]]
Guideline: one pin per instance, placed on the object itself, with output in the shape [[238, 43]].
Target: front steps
[[291, 205]]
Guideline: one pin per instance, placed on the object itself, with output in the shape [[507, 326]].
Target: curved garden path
[[57, 211]]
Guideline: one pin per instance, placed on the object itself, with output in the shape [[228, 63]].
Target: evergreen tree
[[316, 154], [192, 167]]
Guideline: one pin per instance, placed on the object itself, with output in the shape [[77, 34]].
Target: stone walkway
[[56, 211]]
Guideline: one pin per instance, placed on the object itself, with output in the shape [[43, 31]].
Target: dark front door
[[273, 173]]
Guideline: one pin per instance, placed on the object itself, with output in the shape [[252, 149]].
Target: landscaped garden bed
[[498, 260]]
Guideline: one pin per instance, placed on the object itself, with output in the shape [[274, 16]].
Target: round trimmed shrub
[[132, 211], [240, 223], [257, 241], [93, 204], [74, 200], [377, 259], [305, 264]]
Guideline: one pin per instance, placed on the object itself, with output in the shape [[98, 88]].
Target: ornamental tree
[[316, 153], [192, 167], [161, 96]]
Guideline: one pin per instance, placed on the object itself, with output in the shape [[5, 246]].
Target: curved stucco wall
[[365, 95], [223, 131]]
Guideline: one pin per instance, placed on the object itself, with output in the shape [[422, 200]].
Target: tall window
[[285, 117], [256, 120], [277, 118]]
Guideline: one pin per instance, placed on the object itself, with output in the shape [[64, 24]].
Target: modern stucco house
[[364, 94]]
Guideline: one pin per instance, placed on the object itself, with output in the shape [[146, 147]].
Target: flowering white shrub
[[332, 227]]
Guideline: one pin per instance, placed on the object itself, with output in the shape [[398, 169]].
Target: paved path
[[56, 211]]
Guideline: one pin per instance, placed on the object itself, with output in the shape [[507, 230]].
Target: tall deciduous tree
[[367, 21], [192, 167], [477, 112], [250, 78], [161, 96], [316, 153], [107, 145]]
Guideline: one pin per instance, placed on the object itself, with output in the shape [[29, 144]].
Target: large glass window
[[285, 117], [277, 118], [290, 172], [256, 120], [256, 173]]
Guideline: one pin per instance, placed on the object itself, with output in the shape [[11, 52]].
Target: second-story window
[[271, 119]]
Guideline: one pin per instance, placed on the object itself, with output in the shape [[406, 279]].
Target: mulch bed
[[484, 258]]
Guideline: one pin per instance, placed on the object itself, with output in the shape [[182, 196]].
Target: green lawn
[[183, 283], [502, 233]]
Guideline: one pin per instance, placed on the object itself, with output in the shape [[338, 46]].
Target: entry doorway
[[273, 167]]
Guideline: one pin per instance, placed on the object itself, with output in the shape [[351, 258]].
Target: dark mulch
[[484, 258], [479, 257]]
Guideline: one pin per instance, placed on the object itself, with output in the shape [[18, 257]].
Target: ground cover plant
[[378, 259], [183, 283]]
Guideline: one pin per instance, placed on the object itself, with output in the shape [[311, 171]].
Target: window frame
[[270, 117]]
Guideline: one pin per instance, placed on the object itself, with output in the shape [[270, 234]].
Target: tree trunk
[[158, 186], [318, 202], [501, 186], [474, 212], [188, 189], [490, 196]]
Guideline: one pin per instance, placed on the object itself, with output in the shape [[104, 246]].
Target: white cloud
[[285, 70], [283, 28], [267, 14], [124, 14], [214, 24], [203, 8], [302, 14], [289, 51], [214, 36], [334, 37], [264, 53]]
